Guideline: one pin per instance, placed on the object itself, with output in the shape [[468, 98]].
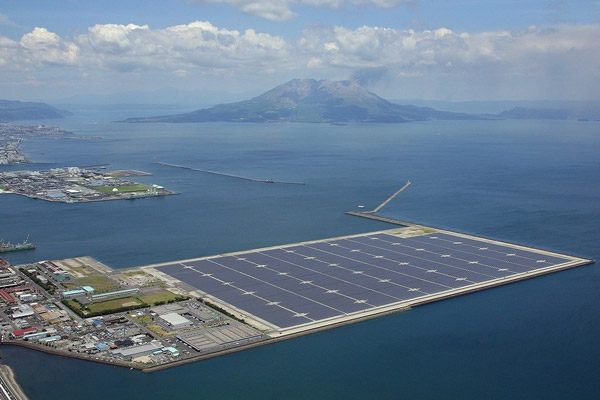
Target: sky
[[449, 50]]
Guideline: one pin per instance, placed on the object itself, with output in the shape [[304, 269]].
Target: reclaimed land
[[321, 325], [122, 189]]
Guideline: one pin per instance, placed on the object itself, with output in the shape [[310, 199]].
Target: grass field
[[115, 304], [105, 307], [154, 298], [101, 284], [122, 189]]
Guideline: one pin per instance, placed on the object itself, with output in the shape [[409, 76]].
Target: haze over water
[[529, 182]]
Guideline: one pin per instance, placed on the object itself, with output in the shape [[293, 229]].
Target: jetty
[[229, 175]]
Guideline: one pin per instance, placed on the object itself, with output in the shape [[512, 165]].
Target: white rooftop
[[175, 319]]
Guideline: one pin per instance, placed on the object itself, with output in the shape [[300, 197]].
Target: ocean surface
[[535, 183]]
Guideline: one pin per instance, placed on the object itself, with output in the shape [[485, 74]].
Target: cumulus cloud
[[195, 45], [134, 47], [565, 55], [281, 10], [35, 49], [406, 50]]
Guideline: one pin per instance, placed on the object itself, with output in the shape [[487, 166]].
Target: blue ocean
[[535, 183]]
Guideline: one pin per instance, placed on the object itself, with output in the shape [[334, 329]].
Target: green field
[[122, 189], [122, 304], [101, 284], [116, 304], [105, 307], [161, 297]]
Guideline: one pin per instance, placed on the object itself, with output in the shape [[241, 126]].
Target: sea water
[[534, 183]]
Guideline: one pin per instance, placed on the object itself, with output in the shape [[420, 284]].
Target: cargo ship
[[24, 245]]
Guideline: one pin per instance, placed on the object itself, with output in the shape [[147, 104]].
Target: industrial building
[[40, 335], [50, 339], [55, 271], [175, 320], [23, 311], [80, 291], [137, 351], [114, 295], [73, 293], [22, 332], [174, 352]]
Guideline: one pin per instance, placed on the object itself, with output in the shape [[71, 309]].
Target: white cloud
[[281, 10], [37, 48], [369, 46], [561, 61], [179, 48], [563, 57]]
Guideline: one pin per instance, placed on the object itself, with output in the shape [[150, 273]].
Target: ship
[[24, 245]]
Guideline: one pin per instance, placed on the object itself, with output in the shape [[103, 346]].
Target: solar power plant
[[308, 282]]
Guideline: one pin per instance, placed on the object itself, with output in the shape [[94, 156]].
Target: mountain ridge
[[13, 110]]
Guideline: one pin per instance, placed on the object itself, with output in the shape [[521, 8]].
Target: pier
[[392, 197], [229, 175]]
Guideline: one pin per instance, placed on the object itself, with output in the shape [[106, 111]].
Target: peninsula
[[11, 136], [17, 110]]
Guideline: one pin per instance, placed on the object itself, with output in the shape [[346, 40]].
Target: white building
[[175, 320]]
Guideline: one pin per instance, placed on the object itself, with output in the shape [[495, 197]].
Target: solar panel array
[[303, 283]]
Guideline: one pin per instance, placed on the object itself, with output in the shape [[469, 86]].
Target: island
[[78, 185], [309, 100]]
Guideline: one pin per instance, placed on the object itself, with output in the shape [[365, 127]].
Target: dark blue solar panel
[[297, 284]]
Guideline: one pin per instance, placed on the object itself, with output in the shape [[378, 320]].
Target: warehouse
[[137, 351], [175, 320]]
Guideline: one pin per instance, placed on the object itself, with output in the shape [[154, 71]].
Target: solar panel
[[304, 283]]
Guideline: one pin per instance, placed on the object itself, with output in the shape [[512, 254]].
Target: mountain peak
[[310, 100]]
